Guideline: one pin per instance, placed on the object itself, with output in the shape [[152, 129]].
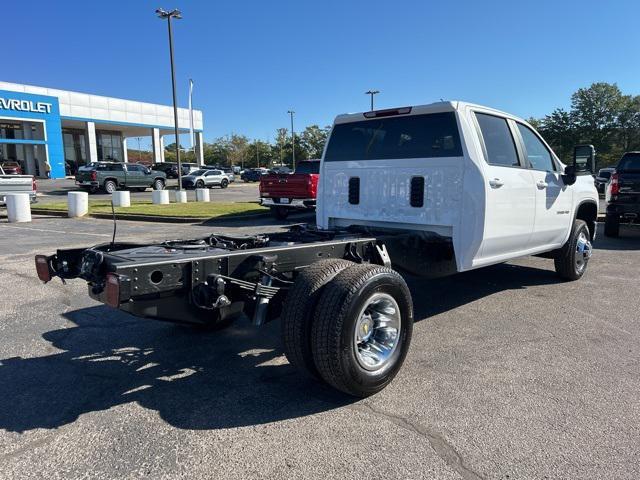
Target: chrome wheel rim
[[377, 332], [583, 252]]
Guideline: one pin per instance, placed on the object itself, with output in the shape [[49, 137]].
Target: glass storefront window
[[74, 150], [109, 146], [16, 130]]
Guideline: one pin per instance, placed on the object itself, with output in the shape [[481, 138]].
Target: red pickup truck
[[284, 192]]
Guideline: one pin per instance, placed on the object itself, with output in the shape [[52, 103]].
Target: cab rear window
[[308, 167], [629, 162], [416, 136]]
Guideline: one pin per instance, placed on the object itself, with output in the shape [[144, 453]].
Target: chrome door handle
[[496, 183], [541, 184]]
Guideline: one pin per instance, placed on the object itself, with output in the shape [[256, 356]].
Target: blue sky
[[253, 60]]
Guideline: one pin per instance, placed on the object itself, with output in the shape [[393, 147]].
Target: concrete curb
[[155, 218]]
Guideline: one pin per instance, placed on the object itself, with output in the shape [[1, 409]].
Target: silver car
[[205, 179]]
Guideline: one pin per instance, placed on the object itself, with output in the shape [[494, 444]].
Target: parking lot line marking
[[58, 231]]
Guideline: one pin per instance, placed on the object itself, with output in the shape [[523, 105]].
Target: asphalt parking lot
[[238, 191], [511, 374]]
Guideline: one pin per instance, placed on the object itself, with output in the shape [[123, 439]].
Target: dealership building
[[50, 130]]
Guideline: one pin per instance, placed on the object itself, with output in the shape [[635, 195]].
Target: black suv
[[623, 194]]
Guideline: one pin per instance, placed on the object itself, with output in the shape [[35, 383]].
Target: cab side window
[[498, 141], [537, 153]]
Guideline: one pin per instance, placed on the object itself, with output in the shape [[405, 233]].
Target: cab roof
[[436, 107]]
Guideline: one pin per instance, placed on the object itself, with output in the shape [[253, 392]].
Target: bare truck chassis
[[212, 280]]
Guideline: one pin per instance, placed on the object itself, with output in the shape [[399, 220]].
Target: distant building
[[41, 125]]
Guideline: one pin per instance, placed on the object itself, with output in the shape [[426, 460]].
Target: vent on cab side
[[416, 198], [354, 190]]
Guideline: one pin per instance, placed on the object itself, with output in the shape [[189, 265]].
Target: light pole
[[175, 13], [293, 142], [372, 93]]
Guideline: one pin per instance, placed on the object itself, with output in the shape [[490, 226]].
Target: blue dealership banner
[[44, 108]]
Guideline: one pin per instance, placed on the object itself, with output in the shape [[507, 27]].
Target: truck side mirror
[[584, 159], [569, 176]]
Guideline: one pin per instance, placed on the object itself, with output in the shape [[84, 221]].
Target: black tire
[[158, 184], [199, 184], [298, 308], [568, 260], [224, 183], [110, 186], [335, 320], [280, 213], [612, 226]]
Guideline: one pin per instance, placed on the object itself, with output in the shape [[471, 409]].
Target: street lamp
[[175, 13], [293, 142], [372, 93]]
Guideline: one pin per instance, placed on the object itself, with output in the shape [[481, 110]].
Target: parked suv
[[111, 176], [623, 194], [205, 178]]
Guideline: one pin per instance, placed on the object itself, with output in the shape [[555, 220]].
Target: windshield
[[308, 167], [629, 162], [604, 174], [197, 173], [415, 136]]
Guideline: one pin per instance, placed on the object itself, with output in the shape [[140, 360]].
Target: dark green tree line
[[600, 115]]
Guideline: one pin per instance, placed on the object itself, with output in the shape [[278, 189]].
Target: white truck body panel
[[492, 213], [16, 184]]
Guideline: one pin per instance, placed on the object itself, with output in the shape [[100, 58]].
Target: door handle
[[496, 183], [542, 184]]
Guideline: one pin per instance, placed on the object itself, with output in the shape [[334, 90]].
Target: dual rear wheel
[[348, 324]]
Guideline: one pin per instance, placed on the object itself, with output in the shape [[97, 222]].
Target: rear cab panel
[[452, 200]]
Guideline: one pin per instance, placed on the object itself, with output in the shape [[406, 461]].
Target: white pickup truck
[[429, 190], [17, 184]]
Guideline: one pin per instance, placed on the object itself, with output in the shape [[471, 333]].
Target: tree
[[313, 139], [559, 130], [595, 111], [600, 115]]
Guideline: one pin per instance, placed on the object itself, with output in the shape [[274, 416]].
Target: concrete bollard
[[18, 207], [121, 198], [77, 204], [202, 194], [160, 197], [181, 196]]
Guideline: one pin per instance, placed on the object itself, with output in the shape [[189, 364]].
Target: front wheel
[[199, 184], [158, 184], [362, 328], [571, 260]]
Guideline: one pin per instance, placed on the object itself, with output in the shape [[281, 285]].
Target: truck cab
[[479, 177]]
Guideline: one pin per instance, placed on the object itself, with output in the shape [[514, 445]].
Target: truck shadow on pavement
[[194, 379]]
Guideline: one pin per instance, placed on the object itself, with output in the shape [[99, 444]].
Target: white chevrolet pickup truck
[[428, 190], [17, 184]]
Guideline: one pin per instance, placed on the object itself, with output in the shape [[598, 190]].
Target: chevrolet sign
[[24, 105]]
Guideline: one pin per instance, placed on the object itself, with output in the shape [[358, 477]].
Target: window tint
[[308, 167], [629, 162], [109, 167], [197, 173], [604, 174], [416, 136], [537, 154], [135, 168], [501, 150]]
